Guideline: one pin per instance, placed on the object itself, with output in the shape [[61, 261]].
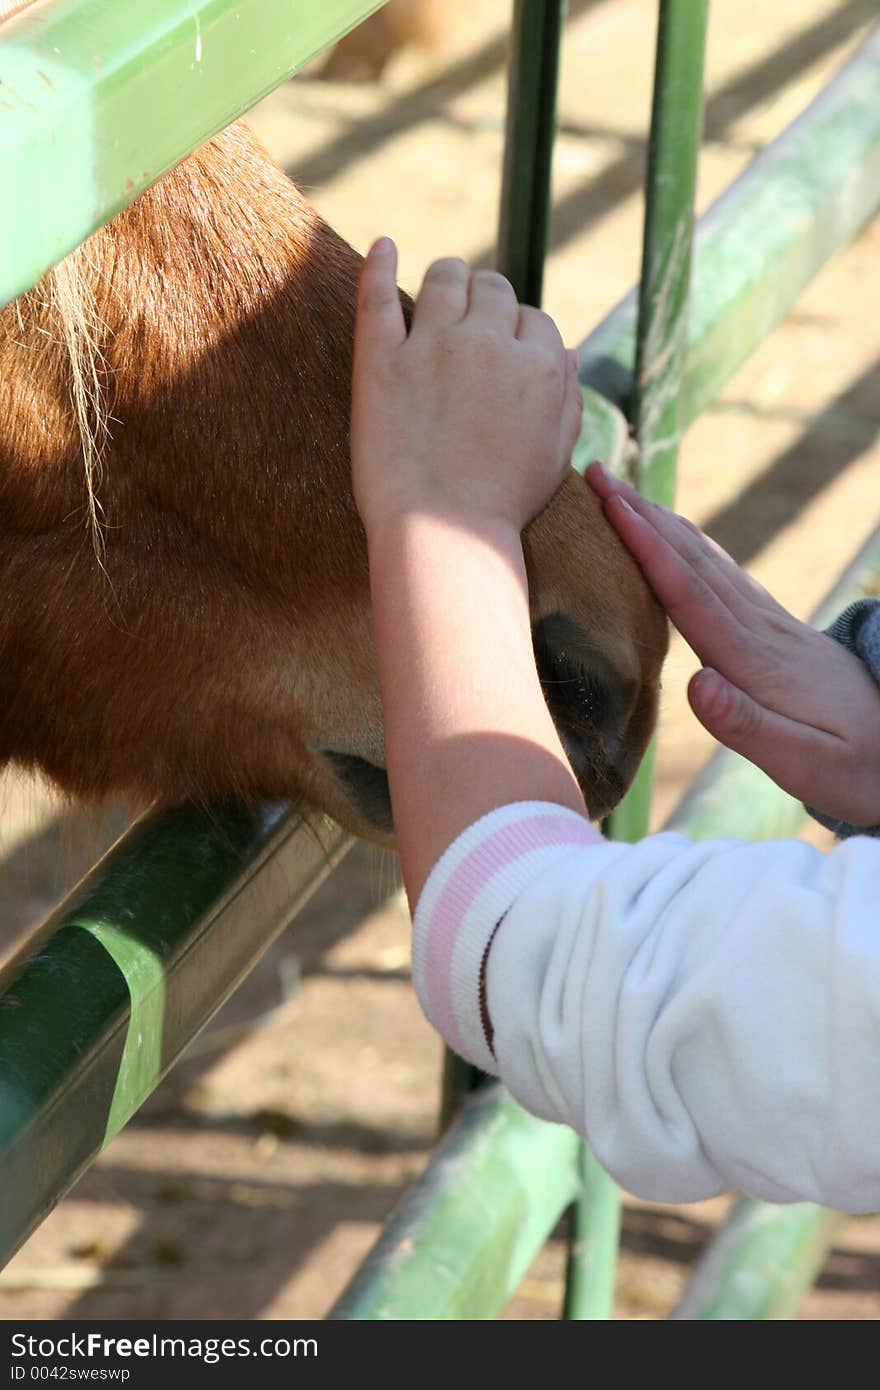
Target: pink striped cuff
[[469, 890]]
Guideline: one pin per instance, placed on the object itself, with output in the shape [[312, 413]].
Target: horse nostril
[[589, 703]]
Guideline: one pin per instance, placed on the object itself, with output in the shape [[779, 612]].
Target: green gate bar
[[450, 1227], [528, 145], [664, 285], [103, 1000], [806, 195], [464, 1236], [759, 1266], [661, 346], [98, 99]]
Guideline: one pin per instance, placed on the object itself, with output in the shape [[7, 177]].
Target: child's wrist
[[388, 529]]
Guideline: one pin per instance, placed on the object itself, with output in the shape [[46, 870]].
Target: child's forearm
[[466, 726]]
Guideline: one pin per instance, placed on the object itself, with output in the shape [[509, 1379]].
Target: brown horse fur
[[186, 608]]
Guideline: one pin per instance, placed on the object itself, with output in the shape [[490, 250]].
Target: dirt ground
[[260, 1173]]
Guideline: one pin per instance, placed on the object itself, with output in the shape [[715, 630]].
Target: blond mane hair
[[64, 303], [67, 294]]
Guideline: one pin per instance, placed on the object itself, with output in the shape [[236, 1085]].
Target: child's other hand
[[473, 415], [786, 697]]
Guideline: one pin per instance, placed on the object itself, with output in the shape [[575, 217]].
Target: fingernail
[[573, 360], [712, 689], [382, 246], [622, 502]]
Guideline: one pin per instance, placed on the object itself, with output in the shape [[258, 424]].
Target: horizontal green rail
[[98, 99], [125, 972], [452, 1228]]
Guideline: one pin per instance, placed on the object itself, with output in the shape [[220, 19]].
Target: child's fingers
[[380, 323], [493, 301], [742, 594], [602, 482], [534, 326], [704, 620], [443, 298], [679, 530]]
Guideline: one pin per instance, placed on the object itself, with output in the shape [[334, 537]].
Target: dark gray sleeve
[[857, 629]]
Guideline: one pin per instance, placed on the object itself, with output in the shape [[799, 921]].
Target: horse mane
[[71, 319]]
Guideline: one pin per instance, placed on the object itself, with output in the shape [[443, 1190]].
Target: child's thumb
[[729, 714]]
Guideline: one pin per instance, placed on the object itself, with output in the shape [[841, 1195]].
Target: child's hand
[[785, 696], [471, 416]]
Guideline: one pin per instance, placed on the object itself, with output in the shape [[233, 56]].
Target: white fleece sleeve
[[707, 1015]]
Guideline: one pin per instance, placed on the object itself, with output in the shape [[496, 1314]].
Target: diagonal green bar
[[98, 100], [760, 1265], [461, 1241], [123, 975]]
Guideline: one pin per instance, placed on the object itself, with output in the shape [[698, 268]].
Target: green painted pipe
[[104, 999], [462, 1239], [661, 325], [759, 1265], [593, 1241], [661, 344], [528, 145], [807, 194], [664, 286], [98, 100]]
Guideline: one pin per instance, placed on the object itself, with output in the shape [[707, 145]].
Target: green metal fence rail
[[123, 975], [78, 78], [156, 937]]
